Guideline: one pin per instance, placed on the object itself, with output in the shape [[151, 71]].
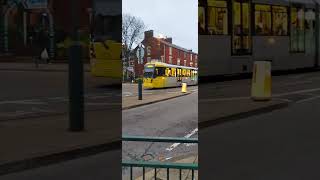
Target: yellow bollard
[[184, 88], [261, 81]]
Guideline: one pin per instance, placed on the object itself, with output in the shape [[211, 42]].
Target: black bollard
[[140, 88]]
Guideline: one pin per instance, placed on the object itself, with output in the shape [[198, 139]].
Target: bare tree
[[132, 33]]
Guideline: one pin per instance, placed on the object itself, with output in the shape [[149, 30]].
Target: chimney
[[169, 40], [148, 34]]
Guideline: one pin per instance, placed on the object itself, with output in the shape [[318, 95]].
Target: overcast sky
[[173, 18]]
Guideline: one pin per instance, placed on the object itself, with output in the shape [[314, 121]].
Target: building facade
[[50, 21], [163, 50]]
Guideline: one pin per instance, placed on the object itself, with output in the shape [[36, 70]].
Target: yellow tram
[[105, 59], [162, 75]]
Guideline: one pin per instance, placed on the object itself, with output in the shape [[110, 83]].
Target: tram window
[[297, 36], [173, 72], [201, 20], [310, 31], [217, 17], [184, 74], [188, 73], [279, 20], [241, 28], [179, 72], [160, 71], [262, 19], [167, 72]]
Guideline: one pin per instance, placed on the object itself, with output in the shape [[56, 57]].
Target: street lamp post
[[76, 97]]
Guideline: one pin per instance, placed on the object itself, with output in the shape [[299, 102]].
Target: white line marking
[[275, 95], [225, 99], [28, 102], [173, 146], [296, 83], [102, 104], [308, 99], [297, 92], [98, 97]]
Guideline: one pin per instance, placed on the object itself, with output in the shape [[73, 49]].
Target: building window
[[297, 36], [190, 57], [217, 17], [191, 64], [184, 55], [162, 59], [262, 19], [279, 20], [241, 36], [170, 50], [185, 63], [148, 50], [178, 62], [310, 31], [170, 59]]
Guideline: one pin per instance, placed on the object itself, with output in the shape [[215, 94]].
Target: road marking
[[225, 99], [297, 92], [308, 99], [173, 146], [127, 94], [297, 83], [98, 97], [28, 102], [103, 104], [275, 95]]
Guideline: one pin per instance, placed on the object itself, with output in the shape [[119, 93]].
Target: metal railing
[[156, 165]]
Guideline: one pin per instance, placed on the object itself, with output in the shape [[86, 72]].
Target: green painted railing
[[160, 165]]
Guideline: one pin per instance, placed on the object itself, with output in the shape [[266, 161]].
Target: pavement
[[149, 96]]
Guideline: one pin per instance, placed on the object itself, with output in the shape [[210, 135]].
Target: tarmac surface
[[283, 144], [34, 106]]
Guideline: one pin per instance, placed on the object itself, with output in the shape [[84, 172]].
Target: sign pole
[[140, 54]]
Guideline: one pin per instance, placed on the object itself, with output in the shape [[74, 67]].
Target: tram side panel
[[216, 59], [214, 55], [277, 49]]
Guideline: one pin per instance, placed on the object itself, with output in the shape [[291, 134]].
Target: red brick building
[[163, 50]]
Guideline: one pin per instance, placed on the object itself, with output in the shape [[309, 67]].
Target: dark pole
[[76, 99], [140, 59]]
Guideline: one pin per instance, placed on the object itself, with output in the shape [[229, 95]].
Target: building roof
[[161, 64], [174, 46]]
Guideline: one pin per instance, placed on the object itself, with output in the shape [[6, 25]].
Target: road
[[98, 167], [292, 88], [170, 123], [173, 118], [28, 94], [280, 145]]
